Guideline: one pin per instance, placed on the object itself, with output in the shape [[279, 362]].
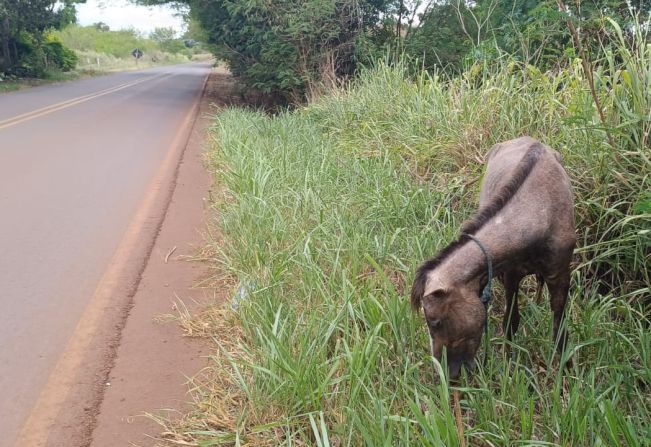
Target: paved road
[[75, 161]]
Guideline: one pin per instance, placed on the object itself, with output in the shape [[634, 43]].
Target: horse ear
[[418, 288]]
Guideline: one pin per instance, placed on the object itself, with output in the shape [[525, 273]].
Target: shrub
[[117, 43], [58, 55], [32, 60]]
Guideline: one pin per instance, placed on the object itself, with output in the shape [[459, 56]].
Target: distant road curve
[[76, 160]]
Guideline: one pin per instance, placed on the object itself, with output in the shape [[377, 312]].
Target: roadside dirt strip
[[154, 361], [130, 364]]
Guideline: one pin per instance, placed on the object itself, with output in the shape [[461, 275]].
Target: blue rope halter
[[486, 294]]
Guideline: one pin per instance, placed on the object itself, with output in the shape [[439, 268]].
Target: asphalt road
[[76, 160]]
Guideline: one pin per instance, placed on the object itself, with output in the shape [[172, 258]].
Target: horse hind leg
[[558, 286], [539, 289]]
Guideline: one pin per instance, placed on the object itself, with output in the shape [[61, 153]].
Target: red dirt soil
[[146, 363], [154, 361]]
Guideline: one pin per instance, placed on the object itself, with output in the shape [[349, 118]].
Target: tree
[[166, 40], [161, 35], [288, 47], [444, 38], [101, 26], [194, 30], [536, 31], [533, 31], [22, 27]]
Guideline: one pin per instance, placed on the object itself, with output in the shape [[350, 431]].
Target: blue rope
[[486, 294]]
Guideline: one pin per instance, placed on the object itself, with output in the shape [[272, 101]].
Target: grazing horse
[[524, 225]]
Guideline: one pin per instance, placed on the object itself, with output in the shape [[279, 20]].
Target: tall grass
[[91, 60], [327, 211], [118, 43], [99, 50]]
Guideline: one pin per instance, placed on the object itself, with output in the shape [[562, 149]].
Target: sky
[[118, 14]]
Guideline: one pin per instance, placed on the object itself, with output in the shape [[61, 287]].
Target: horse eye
[[437, 295], [434, 324]]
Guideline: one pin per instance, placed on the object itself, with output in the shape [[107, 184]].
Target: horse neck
[[469, 263]]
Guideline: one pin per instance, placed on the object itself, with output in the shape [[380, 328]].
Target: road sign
[[136, 53]]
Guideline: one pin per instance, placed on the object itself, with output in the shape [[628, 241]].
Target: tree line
[[292, 47], [38, 37]]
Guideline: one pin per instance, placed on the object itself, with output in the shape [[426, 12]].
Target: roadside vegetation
[[99, 48], [40, 42], [27, 48], [295, 50], [325, 212]]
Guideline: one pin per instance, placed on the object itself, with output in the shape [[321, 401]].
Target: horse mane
[[477, 222]]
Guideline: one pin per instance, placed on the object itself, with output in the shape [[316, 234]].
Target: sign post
[[137, 54]]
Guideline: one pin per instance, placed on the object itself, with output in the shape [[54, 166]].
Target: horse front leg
[[511, 319]]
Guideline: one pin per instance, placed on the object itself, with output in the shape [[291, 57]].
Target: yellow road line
[[61, 381], [72, 102]]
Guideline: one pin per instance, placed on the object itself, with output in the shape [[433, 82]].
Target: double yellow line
[[72, 102]]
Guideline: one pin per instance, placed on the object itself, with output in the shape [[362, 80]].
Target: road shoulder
[[154, 360], [123, 362]]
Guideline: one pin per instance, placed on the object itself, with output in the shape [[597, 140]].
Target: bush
[[289, 48], [58, 55], [38, 57], [32, 61], [117, 43]]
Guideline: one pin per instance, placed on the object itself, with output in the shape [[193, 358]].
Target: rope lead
[[487, 293]]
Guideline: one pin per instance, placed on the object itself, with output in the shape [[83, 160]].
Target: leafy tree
[[166, 40], [118, 43], [444, 38], [536, 30], [101, 26], [194, 30], [290, 47], [23, 24], [161, 35], [58, 55]]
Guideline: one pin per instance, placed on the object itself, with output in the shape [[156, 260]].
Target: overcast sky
[[118, 14]]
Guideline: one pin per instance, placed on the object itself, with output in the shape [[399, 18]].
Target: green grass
[[9, 86], [118, 43], [103, 51], [94, 64], [12, 83], [102, 62], [325, 214]]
